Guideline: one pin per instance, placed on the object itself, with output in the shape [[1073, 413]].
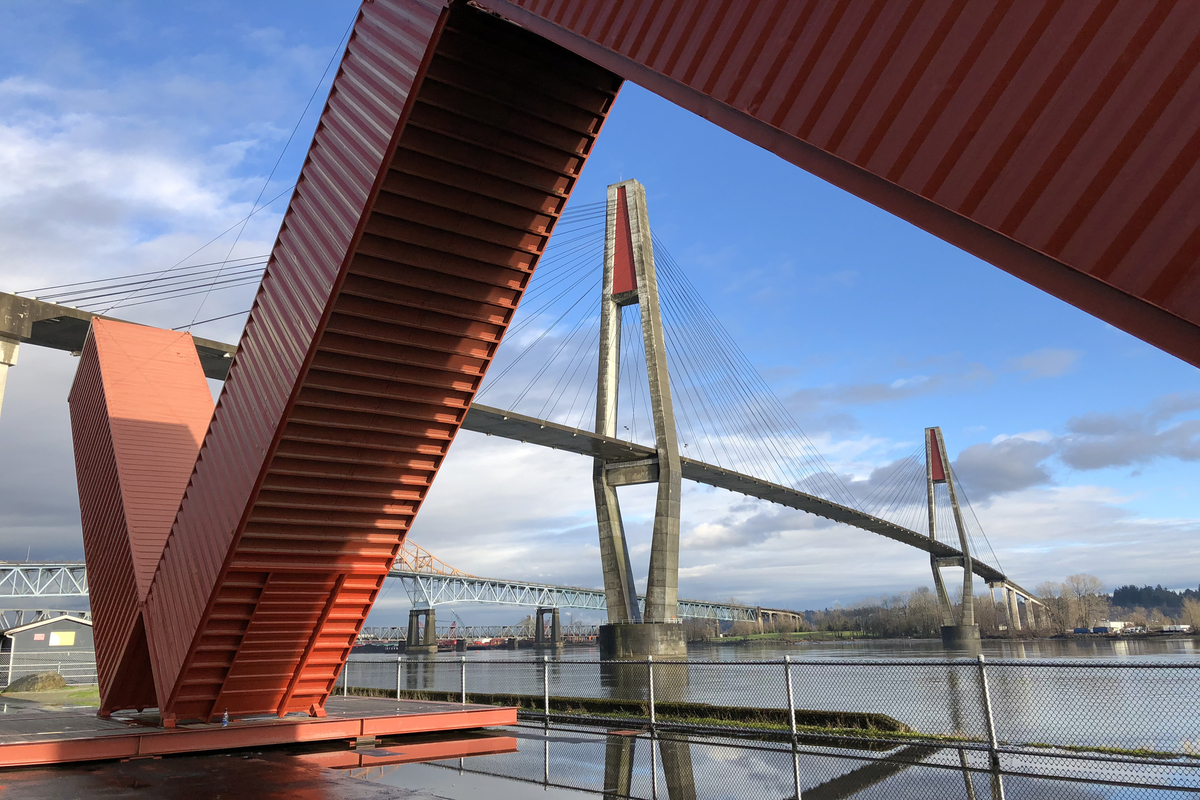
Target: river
[[1127, 693]]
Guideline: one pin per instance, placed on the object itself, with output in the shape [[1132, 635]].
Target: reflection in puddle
[[630, 764], [577, 762]]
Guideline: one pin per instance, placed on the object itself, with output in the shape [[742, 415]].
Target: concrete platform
[[32, 735]]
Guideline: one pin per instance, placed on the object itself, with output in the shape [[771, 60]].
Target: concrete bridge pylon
[[961, 631], [629, 278]]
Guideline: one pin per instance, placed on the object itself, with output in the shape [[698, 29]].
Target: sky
[[132, 135]]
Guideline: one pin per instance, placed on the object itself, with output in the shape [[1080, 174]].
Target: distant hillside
[[1150, 597]]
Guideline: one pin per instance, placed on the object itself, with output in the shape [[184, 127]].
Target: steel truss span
[[423, 588], [16, 617], [428, 590], [43, 580], [399, 633]]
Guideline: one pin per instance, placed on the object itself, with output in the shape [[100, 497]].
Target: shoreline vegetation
[[802, 637], [1079, 601]]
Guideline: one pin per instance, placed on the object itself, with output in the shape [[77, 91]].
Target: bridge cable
[[753, 397], [253, 206], [730, 383]]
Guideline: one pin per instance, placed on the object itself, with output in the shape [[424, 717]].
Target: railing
[[78, 667], [1138, 721]]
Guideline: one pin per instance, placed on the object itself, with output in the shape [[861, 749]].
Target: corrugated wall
[[1058, 140], [415, 226], [139, 407]]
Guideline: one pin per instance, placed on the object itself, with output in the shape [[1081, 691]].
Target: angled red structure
[[139, 408], [1059, 141], [1056, 140], [448, 148]]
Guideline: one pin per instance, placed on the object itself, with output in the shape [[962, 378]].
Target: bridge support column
[[960, 632], [418, 641], [540, 639], [1014, 611], [8, 358], [629, 278]]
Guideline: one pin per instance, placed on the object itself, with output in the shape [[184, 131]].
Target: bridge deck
[[508, 425]]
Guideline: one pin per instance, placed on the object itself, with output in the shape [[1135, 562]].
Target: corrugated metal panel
[[416, 224], [139, 409], [1058, 140]]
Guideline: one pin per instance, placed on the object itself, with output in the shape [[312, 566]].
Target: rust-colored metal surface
[[446, 152], [1057, 140], [139, 408], [42, 737], [623, 273], [936, 470]]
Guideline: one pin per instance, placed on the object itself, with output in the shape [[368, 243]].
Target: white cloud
[[1047, 362]]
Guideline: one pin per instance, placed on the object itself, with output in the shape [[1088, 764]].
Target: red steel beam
[[1058, 141]]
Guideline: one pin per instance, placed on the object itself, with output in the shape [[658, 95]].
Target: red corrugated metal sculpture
[[1057, 140], [448, 148], [139, 408]]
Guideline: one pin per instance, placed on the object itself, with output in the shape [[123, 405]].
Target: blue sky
[[133, 133]]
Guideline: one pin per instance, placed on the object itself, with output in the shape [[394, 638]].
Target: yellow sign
[[62, 638]]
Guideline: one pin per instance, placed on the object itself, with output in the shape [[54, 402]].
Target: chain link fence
[[78, 667], [1112, 719]]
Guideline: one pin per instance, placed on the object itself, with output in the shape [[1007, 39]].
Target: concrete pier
[[416, 642], [540, 639], [961, 637], [633, 641]]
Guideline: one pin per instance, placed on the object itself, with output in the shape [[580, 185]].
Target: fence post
[[787, 679], [346, 678], [399, 674], [463, 661], [546, 687], [987, 717], [650, 687]]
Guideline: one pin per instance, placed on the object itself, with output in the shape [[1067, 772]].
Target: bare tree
[[1086, 593], [1059, 612], [1191, 614], [987, 613]]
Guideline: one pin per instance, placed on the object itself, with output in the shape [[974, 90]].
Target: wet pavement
[[577, 762]]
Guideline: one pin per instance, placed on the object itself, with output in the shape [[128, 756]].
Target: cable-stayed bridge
[[680, 401]]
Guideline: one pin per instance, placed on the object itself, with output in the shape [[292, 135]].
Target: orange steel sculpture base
[[82, 737], [448, 148]]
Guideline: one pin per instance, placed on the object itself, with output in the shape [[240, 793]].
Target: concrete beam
[[632, 473], [30, 321]]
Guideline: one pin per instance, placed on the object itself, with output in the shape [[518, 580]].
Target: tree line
[[1078, 601]]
